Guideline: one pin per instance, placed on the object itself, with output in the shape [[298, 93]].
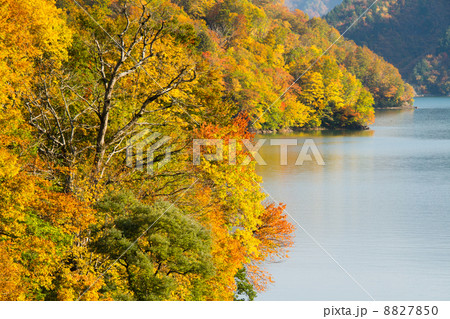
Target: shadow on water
[[319, 133]]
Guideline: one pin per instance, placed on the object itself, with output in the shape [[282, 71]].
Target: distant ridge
[[414, 35], [314, 8]]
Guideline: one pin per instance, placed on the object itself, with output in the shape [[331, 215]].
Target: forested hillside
[[314, 8], [84, 84], [411, 34]]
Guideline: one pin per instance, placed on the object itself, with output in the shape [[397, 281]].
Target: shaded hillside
[[432, 73], [404, 32], [314, 8]]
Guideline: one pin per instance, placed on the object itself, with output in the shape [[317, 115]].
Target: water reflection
[[380, 206]]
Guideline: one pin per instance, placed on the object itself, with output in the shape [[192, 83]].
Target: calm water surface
[[380, 206]]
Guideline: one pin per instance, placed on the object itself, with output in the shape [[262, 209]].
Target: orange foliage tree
[[244, 228]]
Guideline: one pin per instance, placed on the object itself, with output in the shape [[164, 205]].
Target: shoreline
[[412, 107], [430, 95], [404, 106], [315, 129]]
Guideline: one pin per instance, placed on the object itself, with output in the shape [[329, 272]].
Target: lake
[[380, 207]]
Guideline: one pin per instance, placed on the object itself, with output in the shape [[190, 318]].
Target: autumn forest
[[81, 80]]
